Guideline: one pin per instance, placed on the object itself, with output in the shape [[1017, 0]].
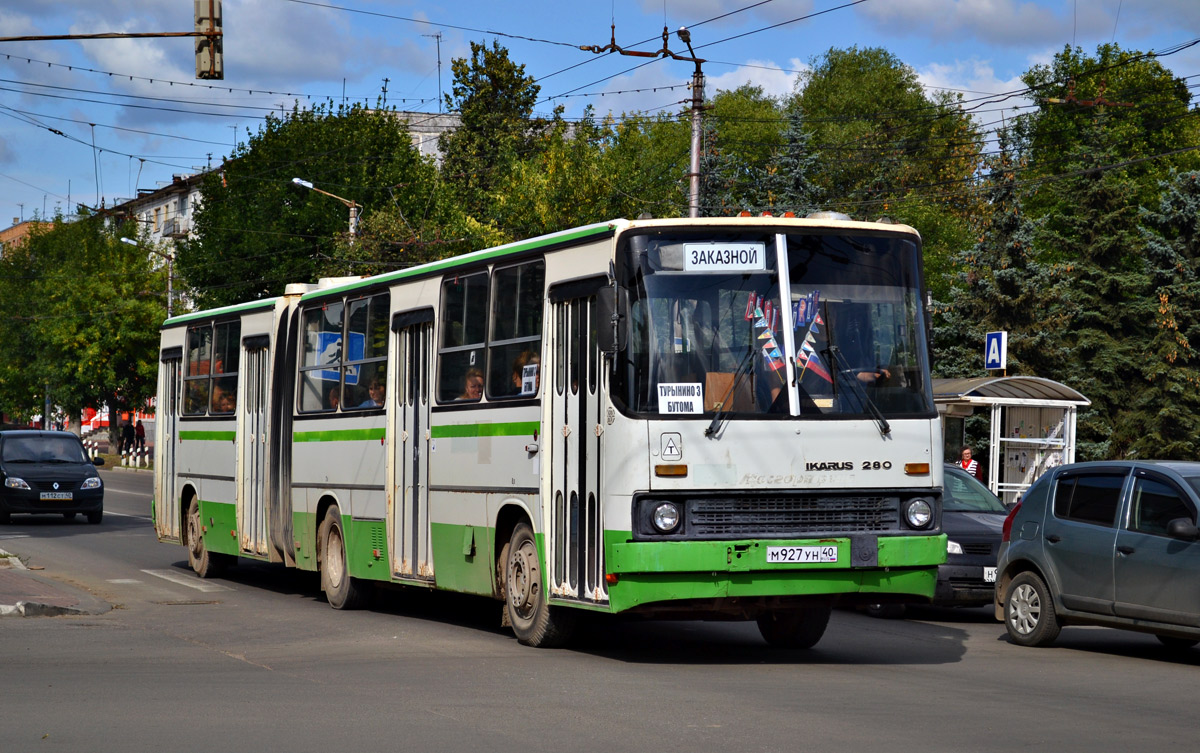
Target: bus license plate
[[989, 575], [802, 554], [56, 495]]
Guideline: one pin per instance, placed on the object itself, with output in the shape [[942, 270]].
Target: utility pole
[[685, 36], [208, 34], [385, 83], [438, 37]]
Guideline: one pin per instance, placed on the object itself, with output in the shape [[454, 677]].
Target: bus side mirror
[[612, 320]]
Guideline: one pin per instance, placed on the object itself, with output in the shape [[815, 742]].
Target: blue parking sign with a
[[995, 350]]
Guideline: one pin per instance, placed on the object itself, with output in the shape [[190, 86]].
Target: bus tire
[[533, 620], [797, 629], [342, 591], [206, 564]]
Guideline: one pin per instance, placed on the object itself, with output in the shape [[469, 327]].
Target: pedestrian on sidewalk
[[140, 433]]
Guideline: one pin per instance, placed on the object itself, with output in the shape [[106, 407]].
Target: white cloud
[[1017, 23], [990, 99], [774, 80]]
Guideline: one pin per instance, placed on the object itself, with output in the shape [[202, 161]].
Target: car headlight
[[953, 547], [91, 483], [665, 517], [12, 482], [918, 513]]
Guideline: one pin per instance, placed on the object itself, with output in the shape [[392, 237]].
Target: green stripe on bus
[[499, 252], [515, 429], [208, 436], [339, 435], [237, 307]]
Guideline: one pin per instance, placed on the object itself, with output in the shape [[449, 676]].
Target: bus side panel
[[459, 537]]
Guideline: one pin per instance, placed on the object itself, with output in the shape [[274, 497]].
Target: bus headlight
[[665, 517], [918, 513]]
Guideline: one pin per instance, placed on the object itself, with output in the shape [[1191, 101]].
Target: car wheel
[[1176, 644], [5, 518], [794, 629], [885, 611], [94, 517], [1029, 612]]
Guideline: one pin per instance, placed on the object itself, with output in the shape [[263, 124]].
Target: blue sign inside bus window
[[329, 345]]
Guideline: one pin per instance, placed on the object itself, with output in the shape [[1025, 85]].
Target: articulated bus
[[684, 418]]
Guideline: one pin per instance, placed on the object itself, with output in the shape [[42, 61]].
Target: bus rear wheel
[[206, 564], [801, 628], [341, 590], [534, 621]]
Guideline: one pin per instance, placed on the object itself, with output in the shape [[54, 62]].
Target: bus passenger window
[[518, 299], [463, 333]]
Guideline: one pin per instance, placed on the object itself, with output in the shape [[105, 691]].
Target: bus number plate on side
[[802, 554]]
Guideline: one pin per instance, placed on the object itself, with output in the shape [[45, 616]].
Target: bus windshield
[[829, 325]]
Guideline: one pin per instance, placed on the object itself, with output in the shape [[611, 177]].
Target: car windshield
[[963, 493], [42, 449], [720, 318]]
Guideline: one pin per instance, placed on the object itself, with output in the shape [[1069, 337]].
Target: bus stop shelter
[[1032, 423]]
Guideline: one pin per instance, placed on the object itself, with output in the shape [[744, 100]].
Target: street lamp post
[[170, 271], [352, 205]]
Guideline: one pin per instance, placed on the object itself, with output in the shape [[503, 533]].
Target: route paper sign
[[680, 397]]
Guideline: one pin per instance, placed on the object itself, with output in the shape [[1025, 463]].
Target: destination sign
[[724, 257]]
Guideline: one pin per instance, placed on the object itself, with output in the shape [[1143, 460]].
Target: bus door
[[576, 549], [408, 473], [167, 516], [252, 446]]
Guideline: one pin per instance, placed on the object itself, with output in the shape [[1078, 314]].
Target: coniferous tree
[[1164, 420]]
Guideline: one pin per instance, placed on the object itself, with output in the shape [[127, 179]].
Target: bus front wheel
[[206, 564], [342, 591], [795, 629], [534, 621]]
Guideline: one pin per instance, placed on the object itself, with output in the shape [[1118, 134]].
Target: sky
[[91, 121]]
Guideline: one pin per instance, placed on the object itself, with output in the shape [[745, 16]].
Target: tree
[[494, 99], [879, 134], [999, 284], [256, 231], [82, 309], [1165, 418], [1148, 112]]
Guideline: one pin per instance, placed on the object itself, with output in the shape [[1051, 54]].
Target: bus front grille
[[770, 517]]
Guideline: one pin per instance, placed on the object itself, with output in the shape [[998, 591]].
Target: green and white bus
[[720, 418]]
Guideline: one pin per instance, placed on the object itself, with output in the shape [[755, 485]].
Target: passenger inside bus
[[224, 397], [375, 394], [472, 385], [333, 398]]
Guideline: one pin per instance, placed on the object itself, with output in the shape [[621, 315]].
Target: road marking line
[[124, 581], [191, 581], [126, 515]]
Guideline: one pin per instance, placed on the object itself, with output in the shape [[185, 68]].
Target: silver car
[[1106, 543]]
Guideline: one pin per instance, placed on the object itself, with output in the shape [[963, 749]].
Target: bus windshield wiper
[[719, 416], [844, 368]]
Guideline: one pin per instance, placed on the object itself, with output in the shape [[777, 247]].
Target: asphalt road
[[258, 661]]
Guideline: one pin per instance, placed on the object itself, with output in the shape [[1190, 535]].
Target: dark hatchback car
[[972, 519], [48, 472], [1104, 543]]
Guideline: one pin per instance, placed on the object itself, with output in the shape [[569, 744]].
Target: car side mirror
[[1182, 528], [97, 461]]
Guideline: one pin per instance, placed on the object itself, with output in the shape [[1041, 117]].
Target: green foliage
[[494, 99], [256, 231], [81, 312], [1164, 418], [1147, 113], [879, 134]]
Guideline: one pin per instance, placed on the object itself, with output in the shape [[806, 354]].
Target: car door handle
[[1054, 538], [1126, 549]]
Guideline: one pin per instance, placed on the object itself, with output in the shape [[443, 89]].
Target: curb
[[85, 602]]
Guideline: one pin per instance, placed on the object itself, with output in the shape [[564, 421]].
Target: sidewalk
[[25, 593]]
